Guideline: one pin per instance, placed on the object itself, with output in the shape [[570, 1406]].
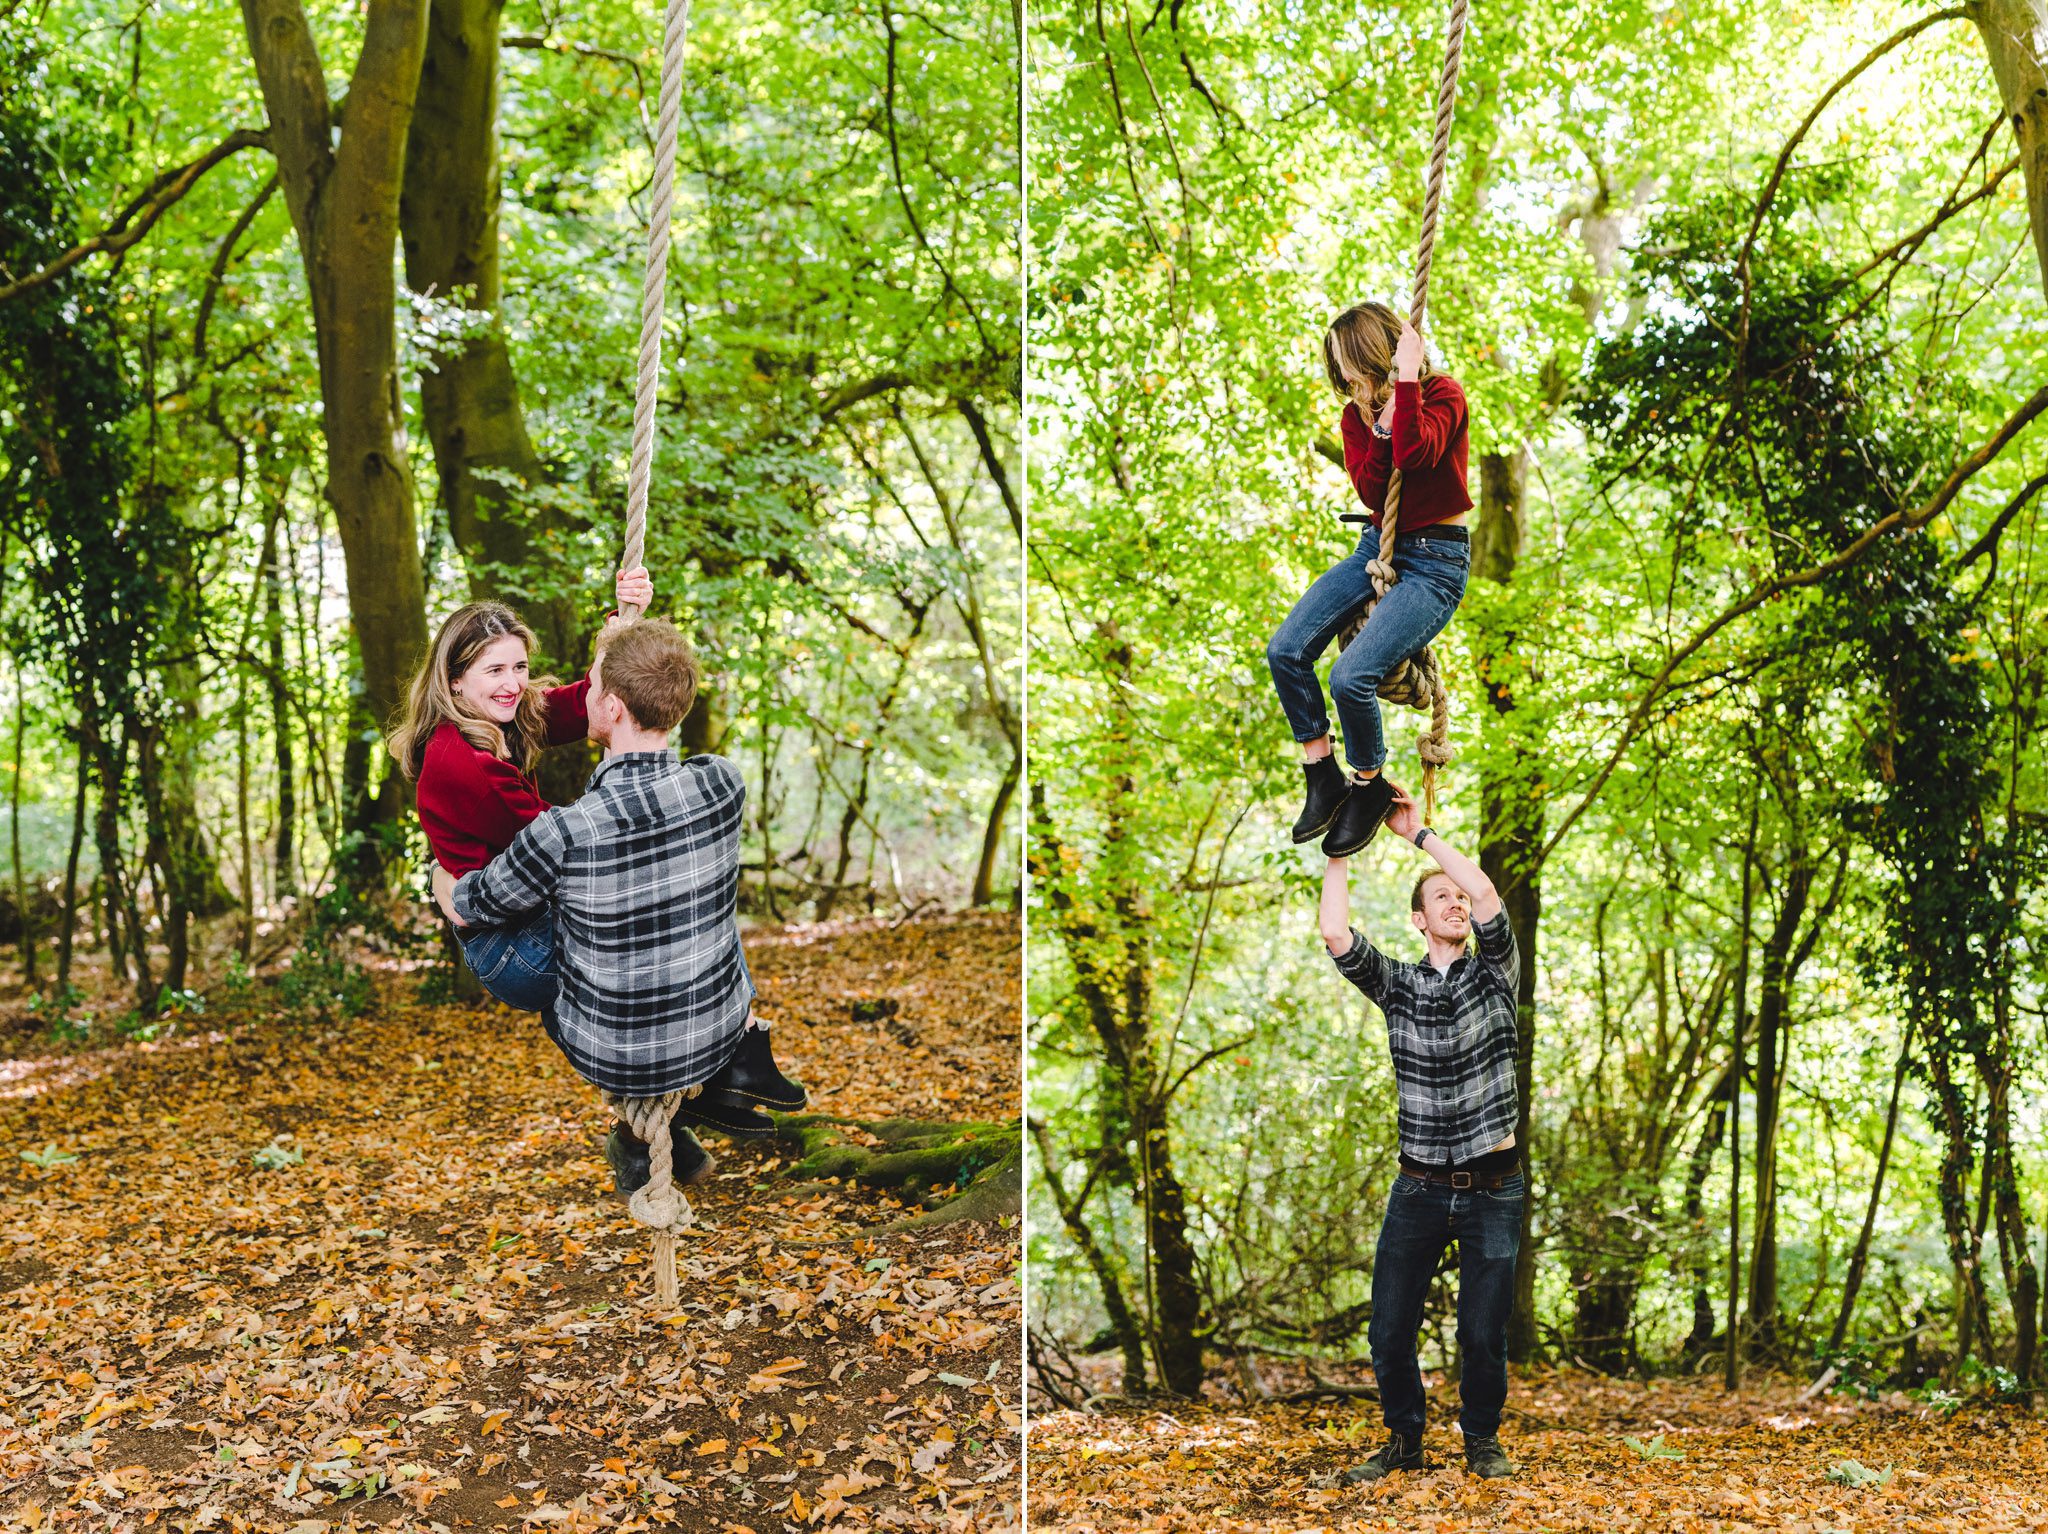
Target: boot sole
[[1363, 842], [1374, 1480], [759, 1129], [779, 1104], [1301, 838]]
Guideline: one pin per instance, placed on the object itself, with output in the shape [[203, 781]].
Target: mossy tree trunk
[[340, 175], [469, 393]]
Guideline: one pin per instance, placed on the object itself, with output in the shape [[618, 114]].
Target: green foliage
[[1208, 189], [49, 1156], [1852, 1474], [1655, 1448], [275, 1157], [324, 983]]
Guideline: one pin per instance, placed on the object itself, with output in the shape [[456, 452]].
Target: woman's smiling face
[[496, 679]]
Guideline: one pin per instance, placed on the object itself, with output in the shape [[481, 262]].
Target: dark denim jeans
[[1422, 1219], [515, 964], [1415, 611]]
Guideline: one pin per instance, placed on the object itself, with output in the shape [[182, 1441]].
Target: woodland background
[[1749, 303], [317, 321]]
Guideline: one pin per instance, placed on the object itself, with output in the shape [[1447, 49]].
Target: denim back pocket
[[488, 952]]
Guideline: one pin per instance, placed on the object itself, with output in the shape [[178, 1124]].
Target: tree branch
[[1765, 590], [217, 274], [1988, 540], [142, 212], [978, 424], [952, 377], [1784, 162]]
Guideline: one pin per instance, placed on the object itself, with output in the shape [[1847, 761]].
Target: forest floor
[[437, 1319], [1706, 1464]]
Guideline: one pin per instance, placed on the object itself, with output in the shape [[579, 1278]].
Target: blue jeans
[[1415, 611], [515, 964], [1422, 1219]]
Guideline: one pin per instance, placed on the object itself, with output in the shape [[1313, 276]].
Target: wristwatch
[[1419, 835]]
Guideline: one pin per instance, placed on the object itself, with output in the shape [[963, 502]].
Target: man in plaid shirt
[[1451, 1027], [643, 876]]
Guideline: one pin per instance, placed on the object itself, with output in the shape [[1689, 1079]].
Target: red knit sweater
[[471, 803], [1428, 445]]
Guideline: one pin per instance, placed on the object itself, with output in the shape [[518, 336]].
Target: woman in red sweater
[[1401, 415], [475, 725]]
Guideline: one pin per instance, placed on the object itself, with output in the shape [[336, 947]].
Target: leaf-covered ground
[[1703, 1464], [434, 1320]]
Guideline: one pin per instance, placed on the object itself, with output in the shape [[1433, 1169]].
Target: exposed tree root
[[956, 1171]]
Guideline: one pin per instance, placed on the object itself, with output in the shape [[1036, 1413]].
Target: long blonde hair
[[432, 699], [1362, 338]]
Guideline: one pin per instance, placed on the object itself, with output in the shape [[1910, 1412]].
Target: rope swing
[[1417, 682], [660, 1205]]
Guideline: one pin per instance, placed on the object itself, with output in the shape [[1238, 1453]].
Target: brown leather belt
[[1461, 1181]]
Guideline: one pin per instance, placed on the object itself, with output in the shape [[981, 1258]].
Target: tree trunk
[[1698, 1168], [67, 928], [122, 911], [161, 856], [1122, 1324], [1176, 1288], [996, 836], [1731, 1365], [284, 880], [341, 183], [2015, 34], [1603, 1306], [2022, 1278], [1511, 832], [21, 900], [1773, 993], [857, 801], [1109, 943], [1971, 1318], [1859, 1260], [469, 396]]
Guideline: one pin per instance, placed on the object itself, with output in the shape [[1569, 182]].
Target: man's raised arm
[[1405, 820]]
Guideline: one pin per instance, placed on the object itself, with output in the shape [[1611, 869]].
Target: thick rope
[[675, 29], [660, 1205], [1417, 682]]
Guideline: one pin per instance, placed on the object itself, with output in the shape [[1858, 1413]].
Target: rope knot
[[664, 1210]]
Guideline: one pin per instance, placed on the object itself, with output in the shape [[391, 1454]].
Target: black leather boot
[[627, 1154], [1485, 1458], [751, 1076], [1359, 816], [1397, 1453], [737, 1118], [1326, 791]]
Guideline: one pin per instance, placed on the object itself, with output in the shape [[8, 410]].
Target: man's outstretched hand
[[444, 894], [1404, 819]]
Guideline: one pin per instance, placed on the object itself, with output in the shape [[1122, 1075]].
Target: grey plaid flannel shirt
[[643, 873], [1452, 1038]]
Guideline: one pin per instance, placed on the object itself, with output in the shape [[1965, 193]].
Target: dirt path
[[430, 1321], [1760, 1463]]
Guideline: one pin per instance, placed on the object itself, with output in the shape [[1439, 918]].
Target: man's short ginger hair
[[649, 667], [1422, 883]]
